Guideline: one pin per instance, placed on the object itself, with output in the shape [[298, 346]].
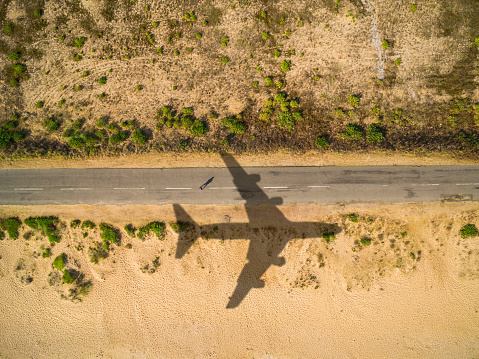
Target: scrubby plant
[[190, 16], [139, 137], [62, 37], [75, 223], [14, 83], [328, 237], [46, 225], [38, 12], [14, 57], [61, 102], [118, 137], [80, 41], [39, 104], [198, 128], [286, 65], [156, 24], [96, 252], [277, 53], [234, 124], [102, 80], [385, 44], [265, 35], [224, 41], [130, 229], [84, 74], [68, 277], [469, 230], [255, 83], [225, 60], [11, 225], [8, 29], [47, 252], [374, 134], [176, 53], [286, 121], [353, 217], [198, 36], [365, 241], [157, 228], [269, 81], [88, 225], [60, 261], [179, 226], [398, 61], [414, 7], [79, 88], [321, 142], [353, 100], [352, 132], [109, 234], [51, 124]]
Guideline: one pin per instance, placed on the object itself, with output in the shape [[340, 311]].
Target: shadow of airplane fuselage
[[262, 213]]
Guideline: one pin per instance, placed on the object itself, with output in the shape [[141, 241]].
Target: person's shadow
[[268, 230]]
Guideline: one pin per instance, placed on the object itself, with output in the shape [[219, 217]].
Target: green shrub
[[225, 60], [130, 230], [39, 104], [61, 102], [47, 226], [234, 125], [75, 223], [385, 44], [279, 98], [156, 24], [84, 74], [224, 41], [374, 134], [353, 217], [102, 80], [199, 36], [109, 234], [365, 241], [80, 41], [269, 81], [328, 237], [51, 124], [139, 87], [62, 37], [286, 65], [96, 252], [76, 141], [47, 253], [352, 132], [14, 57], [397, 62], [321, 142], [59, 261], [286, 121], [179, 227], [139, 137], [5, 138], [11, 225], [14, 83], [198, 129], [469, 230], [265, 35], [414, 7], [8, 29], [68, 277], [38, 12], [118, 137], [353, 100], [88, 225], [157, 228]]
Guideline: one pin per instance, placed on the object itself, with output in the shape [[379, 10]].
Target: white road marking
[[318, 186], [75, 189], [467, 184], [127, 188], [177, 188], [28, 189], [385, 185], [274, 187]]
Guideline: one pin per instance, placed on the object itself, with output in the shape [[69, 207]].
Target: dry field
[[404, 75], [395, 281]]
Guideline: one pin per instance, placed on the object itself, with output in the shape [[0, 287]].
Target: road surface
[[323, 185]]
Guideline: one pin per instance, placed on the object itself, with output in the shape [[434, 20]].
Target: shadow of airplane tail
[[186, 239]]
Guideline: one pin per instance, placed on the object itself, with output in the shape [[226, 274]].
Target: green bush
[[61, 102], [47, 253], [47, 226], [76, 141], [353, 217], [385, 44], [397, 62], [139, 87], [39, 104], [414, 7], [269, 81], [265, 35], [11, 225], [198, 129], [352, 132], [2, 236], [225, 60], [80, 41], [109, 234], [321, 142], [179, 227], [365, 241], [286, 121], [469, 230], [102, 80], [278, 98], [286, 65], [96, 252], [328, 236], [199, 36], [75, 223], [14, 57], [59, 261], [234, 125], [374, 134], [353, 100], [5, 138], [118, 138], [8, 29], [14, 83], [38, 12], [130, 230], [139, 137], [156, 227], [88, 225], [51, 124], [68, 277], [277, 53]]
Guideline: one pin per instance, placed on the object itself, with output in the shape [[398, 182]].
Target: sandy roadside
[[280, 158], [328, 300]]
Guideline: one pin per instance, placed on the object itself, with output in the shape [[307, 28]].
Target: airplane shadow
[[268, 231]]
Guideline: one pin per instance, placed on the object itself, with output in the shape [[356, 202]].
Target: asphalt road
[[322, 185]]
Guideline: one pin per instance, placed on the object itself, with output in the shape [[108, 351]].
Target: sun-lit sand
[[413, 293]]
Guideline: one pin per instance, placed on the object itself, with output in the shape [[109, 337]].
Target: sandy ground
[[280, 158], [329, 300]]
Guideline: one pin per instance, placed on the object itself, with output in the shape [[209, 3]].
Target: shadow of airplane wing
[[184, 240]]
